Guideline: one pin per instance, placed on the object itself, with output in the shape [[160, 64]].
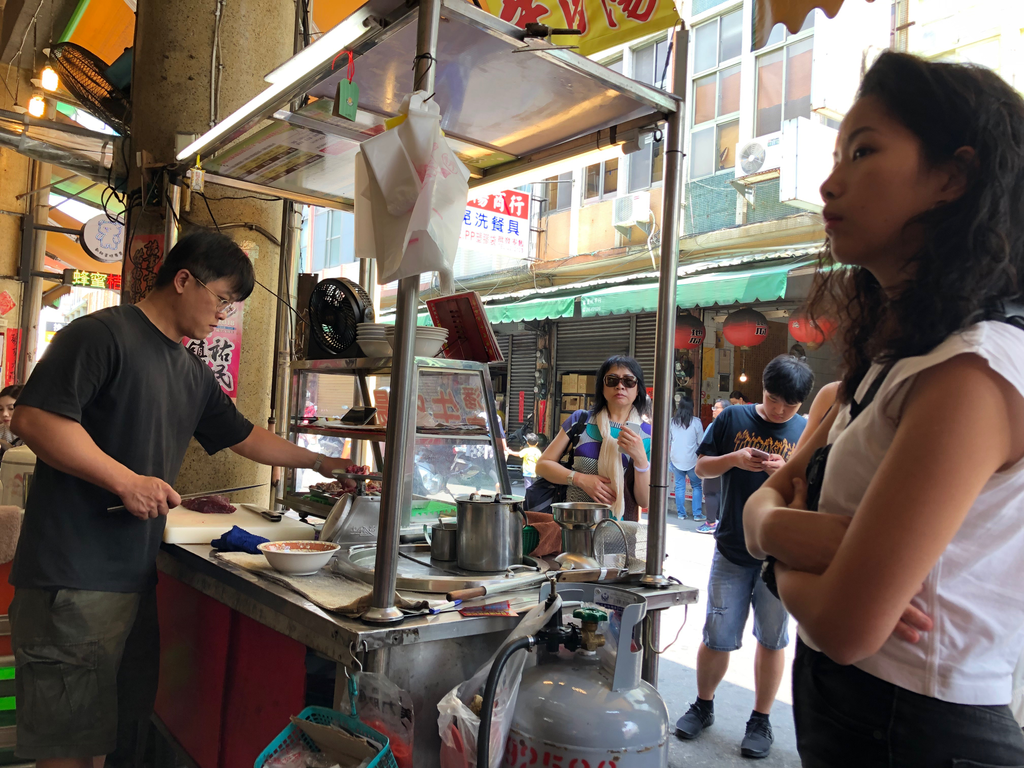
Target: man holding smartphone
[[744, 445]]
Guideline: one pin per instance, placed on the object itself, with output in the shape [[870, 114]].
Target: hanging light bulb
[[37, 105], [743, 377], [48, 79]]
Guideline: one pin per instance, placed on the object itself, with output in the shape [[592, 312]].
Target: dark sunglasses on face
[[611, 380]]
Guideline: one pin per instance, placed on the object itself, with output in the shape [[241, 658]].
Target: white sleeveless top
[[975, 592]]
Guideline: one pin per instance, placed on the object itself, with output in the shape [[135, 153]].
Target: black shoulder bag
[[543, 493]]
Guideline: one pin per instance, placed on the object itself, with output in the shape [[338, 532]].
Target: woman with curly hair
[[908, 582]]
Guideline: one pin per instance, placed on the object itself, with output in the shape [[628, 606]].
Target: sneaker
[[699, 518], [681, 516], [693, 723], [758, 741], [707, 527]]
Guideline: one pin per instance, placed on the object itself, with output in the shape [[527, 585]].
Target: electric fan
[[84, 75], [336, 307]]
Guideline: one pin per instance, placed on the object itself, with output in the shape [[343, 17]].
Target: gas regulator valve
[[590, 618]]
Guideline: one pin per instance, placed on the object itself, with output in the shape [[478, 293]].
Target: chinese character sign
[[83, 279], [495, 233], [604, 23], [221, 351]]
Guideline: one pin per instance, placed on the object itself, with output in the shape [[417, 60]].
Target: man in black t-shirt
[[744, 445], [109, 412]]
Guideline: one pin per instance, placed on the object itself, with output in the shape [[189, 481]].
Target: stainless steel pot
[[578, 520], [490, 535], [442, 539]]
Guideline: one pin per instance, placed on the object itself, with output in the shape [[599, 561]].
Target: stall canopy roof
[[502, 110], [765, 284]]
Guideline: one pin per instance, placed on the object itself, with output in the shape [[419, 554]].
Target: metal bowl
[[580, 514]]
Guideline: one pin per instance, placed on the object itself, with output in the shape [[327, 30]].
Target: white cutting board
[[185, 526]]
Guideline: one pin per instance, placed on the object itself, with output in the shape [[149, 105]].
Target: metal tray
[[358, 563]]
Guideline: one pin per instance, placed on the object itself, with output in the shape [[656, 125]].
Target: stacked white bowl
[[372, 339], [429, 340]]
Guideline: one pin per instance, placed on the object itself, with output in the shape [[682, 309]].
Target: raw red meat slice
[[209, 505]]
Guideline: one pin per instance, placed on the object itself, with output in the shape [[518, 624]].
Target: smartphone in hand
[[760, 454]]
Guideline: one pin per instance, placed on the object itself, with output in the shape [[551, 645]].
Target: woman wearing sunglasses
[[611, 464]]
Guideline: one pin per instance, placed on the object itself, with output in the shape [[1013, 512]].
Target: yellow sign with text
[[604, 23]]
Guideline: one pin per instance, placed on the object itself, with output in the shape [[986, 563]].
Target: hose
[[483, 738]]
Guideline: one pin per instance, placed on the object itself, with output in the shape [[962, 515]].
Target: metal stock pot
[[490, 531]]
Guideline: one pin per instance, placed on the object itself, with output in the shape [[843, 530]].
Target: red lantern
[[689, 332], [745, 328], [814, 333]]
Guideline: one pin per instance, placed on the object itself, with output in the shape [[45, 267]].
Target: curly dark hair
[[973, 252]]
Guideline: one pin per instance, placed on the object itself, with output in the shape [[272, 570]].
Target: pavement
[[689, 560]]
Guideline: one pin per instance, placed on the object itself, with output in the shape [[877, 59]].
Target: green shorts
[[68, 649]]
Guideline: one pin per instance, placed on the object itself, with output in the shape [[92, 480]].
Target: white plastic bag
[[456, 714], [410, 197]]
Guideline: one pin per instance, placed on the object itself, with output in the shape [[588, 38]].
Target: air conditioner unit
[[806, 162], [632, 211], [759, 158]]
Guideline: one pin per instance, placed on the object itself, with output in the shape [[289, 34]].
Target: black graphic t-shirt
[[740, 426]]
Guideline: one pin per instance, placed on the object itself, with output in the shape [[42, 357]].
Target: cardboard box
[[571, 403], [570, 383], [587, 384]]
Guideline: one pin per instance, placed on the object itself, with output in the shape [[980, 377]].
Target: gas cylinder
[[583, 705]]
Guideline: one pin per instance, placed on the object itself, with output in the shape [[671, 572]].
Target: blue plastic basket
[[292, 736]]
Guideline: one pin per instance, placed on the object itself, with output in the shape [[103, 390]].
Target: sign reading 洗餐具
[[495, 233], [604, 23]]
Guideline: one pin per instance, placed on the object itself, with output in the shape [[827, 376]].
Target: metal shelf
[[353, 433], [374, 435], [349, 365], [296, 502]]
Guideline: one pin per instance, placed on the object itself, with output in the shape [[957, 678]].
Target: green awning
[[534, 309], [766, 284]]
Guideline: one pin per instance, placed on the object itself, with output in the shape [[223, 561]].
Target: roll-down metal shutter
[[644, 345], [521, 378], [503, 347], [583, 344]]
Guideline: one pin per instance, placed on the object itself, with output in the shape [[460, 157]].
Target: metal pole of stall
[[664, 368], [663, 386], [664, 352], [279, 413], [401, 409]]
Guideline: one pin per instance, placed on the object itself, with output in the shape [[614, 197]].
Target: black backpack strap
[[574, 437]]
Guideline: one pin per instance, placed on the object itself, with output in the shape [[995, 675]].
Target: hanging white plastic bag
[[455, 714], [410, 197]]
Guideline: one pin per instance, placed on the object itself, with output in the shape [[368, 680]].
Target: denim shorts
[[846, 718], [731, 591], [86, 670]]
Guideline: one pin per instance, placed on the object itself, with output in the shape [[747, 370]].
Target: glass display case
[[459, 446]]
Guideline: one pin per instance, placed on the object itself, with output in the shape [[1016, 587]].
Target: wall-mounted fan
[[84, 75], [336, 307]]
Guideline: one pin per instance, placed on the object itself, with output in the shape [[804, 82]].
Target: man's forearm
[[714, 466], [264, 447], [65, 445]]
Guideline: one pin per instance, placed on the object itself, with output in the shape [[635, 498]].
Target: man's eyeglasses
[[227, 306], [611, 380]]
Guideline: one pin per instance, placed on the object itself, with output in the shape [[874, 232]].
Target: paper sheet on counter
[[330, 591]]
